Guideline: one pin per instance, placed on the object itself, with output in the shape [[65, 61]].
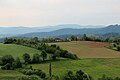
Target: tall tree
[[44, 54], [26, 58], [50, 71]]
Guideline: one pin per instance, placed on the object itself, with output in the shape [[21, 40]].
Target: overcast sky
[[55, 12]]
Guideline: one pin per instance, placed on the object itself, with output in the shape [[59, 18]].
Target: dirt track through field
[[87, 49]]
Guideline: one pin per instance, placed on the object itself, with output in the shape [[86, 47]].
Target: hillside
[[75, 31], [94, 67], [95, 59], [87, 49], [51, 31], [16, 50]]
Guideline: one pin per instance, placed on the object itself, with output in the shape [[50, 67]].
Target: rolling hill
[[50, 31], [88, 49], [73, 31], [16, 50]]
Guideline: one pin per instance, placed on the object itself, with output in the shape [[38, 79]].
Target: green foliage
[[104, 77], [44, 54], [80, 75], [36, 58], [8, 40], [56, 54], [118, 48], [17, 63], [84, 37], [50, 71], [8, 66], [26, 58], [34, 43], [28, 78], [7, 59], [37, 72], [9, 63], [16, 50]]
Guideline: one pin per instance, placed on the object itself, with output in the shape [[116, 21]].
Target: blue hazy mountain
[[75, 31], [14, 31], [49, 31]]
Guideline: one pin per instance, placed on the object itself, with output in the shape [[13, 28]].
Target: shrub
[[118, 48], [17, 63], [36, 58], [33, 72], [28, 78], [26, 58], [7, 59]]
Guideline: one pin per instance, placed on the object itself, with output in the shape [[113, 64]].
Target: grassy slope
[[86, 49], [16, 50], [94, 67], [9, 75]]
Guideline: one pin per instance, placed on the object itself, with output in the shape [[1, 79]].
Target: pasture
[[95, 67], [95, 59], [16, 50]]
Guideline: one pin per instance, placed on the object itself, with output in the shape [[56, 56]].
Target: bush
[[7, 59], [17, 63], [43, 75], [28, 78], [118, 48], [8, 66], [104, 77], [33, 72], [26, 58], [80, 75], [36, 58]]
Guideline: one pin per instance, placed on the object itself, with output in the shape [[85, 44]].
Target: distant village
[[73, 38]]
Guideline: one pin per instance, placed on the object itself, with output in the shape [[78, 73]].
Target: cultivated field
[[95, 59], [87, 49]]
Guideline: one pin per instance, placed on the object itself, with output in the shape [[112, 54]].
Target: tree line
[[45, 49]]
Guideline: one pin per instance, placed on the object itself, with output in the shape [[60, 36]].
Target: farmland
[[87, 49], [95, 59]]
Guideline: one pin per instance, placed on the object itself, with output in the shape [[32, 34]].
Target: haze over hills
[[75, 31], [23, 30], [15, 31], [50, 31]]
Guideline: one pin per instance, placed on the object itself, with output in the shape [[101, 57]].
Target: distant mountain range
[[51, 31], [73, 31]]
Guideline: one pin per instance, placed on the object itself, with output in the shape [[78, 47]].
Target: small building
[[57, 39]]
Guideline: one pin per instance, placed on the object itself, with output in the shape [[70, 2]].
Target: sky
[[56, 12]]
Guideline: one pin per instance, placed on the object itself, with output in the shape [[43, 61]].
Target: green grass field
[[96, 60], [9, 75], [16, 50], [95, 67]]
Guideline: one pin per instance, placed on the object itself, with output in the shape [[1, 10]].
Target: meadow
[[16, 50], [95, 67], [95, 59]]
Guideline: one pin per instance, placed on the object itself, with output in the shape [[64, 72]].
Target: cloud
[[52, 12]]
